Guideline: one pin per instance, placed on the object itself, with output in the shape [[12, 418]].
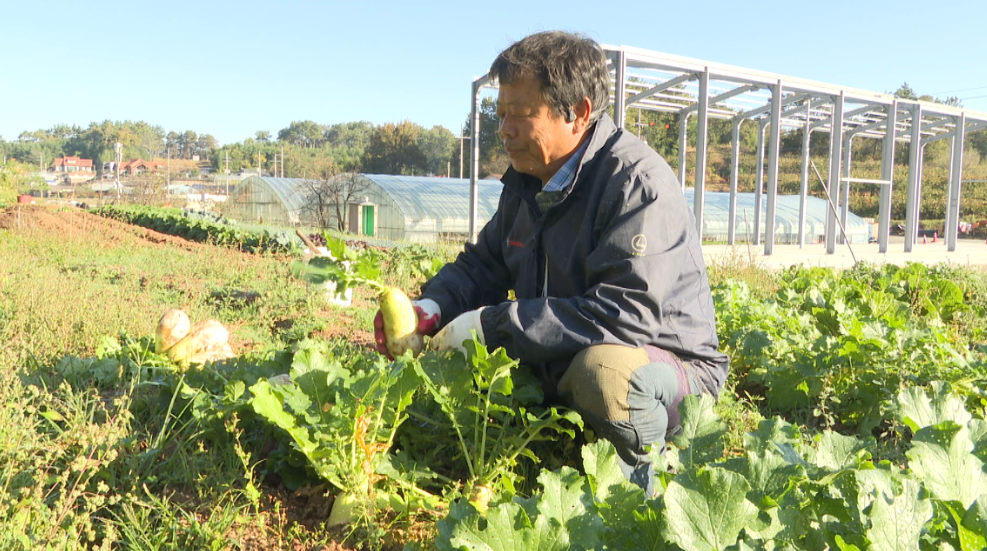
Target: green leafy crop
[[784, 492], [489, 401]]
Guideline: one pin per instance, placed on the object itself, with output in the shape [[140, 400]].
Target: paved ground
[[968, 253]]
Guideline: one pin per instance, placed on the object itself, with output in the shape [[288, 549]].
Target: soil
[[81, 224], [280, 508]]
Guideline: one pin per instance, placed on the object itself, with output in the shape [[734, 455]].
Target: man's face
[[538, 141]]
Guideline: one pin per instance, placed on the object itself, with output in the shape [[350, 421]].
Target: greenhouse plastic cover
[[430, 198], [289, 190], [716, 214], [427, 198]]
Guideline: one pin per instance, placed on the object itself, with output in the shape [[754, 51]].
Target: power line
[[974, 97], [962, 90]]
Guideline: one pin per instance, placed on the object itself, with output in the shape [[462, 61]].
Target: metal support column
[[804, 188], [914, 177], [475, 159], [887, 173], [734, 180], [774, 144], [835, 156], [620, 88], [683, 144], [918, 191], [955, 183], [702, 130], [759, 181], [843, 201]]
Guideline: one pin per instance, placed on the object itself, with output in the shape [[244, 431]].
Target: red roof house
[[135, 167], [71, 164]]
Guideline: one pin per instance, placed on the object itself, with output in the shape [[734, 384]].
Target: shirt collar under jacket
[[567, 174]]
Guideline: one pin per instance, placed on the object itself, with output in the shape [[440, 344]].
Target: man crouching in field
[[593, 233]]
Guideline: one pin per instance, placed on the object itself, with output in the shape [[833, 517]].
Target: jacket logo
[[639, 243], [514, 243]]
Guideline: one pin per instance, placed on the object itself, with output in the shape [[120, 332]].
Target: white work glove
[[452, 336]]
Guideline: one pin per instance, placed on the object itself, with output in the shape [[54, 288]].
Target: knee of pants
[[618, 383]]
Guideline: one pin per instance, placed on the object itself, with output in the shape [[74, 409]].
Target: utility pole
[[119, 148], [462, 136], [282, 160], [227, 173], [639, 124]]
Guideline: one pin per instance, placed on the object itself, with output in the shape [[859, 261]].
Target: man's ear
[[582, 111]]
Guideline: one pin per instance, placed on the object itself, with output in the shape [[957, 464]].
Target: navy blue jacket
[[615, 258]]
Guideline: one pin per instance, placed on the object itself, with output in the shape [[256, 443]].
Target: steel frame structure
[[689, 87]]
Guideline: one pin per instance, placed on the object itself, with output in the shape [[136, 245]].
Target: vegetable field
[[853, 418]]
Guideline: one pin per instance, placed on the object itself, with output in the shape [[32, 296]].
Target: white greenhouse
[[408, 208], [427, 210], [716, 215]]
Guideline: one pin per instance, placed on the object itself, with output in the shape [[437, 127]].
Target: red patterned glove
[[429, 317]]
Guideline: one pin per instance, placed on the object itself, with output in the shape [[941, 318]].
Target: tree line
[[307, 149], [302, 149], [98, 142]]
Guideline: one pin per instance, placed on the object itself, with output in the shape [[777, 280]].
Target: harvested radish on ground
[[172, 327], [206, 341]]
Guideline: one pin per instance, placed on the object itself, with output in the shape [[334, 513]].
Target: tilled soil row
[[72, 223]]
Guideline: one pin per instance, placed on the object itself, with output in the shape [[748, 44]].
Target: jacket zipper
[[544, 288]]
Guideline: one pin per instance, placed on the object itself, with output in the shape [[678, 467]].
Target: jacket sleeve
[[478, 277], [646, 281]]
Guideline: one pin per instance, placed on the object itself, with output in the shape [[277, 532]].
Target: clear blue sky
[[232, 68]]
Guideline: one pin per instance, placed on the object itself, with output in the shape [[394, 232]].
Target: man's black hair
[[569, 67]]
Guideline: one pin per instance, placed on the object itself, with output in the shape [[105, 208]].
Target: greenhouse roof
[[425, 198], [289, 190]]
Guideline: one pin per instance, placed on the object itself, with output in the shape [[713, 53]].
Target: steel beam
[[914, 178], [774, 145], [766, 108], [935, 138], [935, 124], [725, 96], [734, 180], [835, 156], [620, 89], [955, 184], [759, 181], [846, 116], [660, 88], [879, 124], [475, 158], [683, 146], [804, 187], [866, 181], [702, 131], [887, 173], [844, 203]]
